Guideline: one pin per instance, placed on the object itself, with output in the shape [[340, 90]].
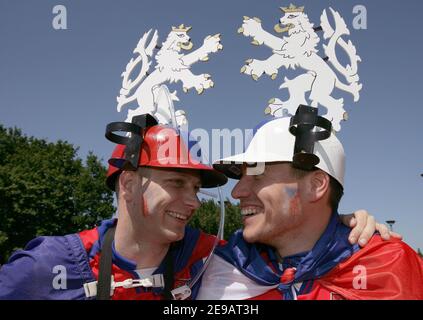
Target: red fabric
[[201, 250], [288, 275], [383, 270], [317, 293], [204, 245], [392, 270], [88, 237]]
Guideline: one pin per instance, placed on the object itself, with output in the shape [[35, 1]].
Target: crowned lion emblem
[[299, 49], [171, 66]]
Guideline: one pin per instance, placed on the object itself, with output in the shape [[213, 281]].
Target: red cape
[[381, 270]]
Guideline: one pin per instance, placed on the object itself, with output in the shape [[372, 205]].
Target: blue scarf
[[331, 249]]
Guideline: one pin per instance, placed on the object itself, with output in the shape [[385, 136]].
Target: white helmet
[[273, 142]]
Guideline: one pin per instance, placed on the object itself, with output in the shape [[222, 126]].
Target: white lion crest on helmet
[[172, 66], [298, 49]]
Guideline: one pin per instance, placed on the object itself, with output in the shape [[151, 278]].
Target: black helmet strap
[[302, 126], [133, 141]]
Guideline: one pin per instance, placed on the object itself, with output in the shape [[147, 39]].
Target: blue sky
[[62, 84]]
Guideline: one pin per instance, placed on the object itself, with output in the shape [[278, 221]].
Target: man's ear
[[318, 183], [127, 184]]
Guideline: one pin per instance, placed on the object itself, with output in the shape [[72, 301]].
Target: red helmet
[[163, 147]]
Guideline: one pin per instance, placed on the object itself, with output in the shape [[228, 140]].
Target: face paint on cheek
[[291, 202], [291, 192], [144, 207], [294, 204]]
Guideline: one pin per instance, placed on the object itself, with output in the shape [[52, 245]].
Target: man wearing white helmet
[[293, 245]]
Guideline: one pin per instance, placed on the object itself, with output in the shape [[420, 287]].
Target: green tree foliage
[[207, 218], [46, 190]]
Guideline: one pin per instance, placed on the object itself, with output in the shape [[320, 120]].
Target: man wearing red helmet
[[144, 254], [153, 250]]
